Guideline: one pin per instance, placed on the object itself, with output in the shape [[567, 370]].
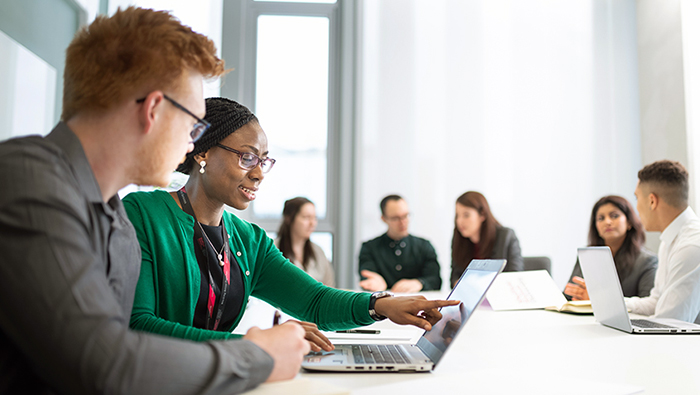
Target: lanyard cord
[[225, 263]]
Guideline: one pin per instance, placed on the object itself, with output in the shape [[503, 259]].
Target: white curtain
[[533, 103]]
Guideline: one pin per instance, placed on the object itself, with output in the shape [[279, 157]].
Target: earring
[[201, 166]]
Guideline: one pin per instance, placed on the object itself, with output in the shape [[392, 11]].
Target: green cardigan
[[168, 288]]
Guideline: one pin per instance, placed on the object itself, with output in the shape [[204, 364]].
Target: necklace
[[220, 253]]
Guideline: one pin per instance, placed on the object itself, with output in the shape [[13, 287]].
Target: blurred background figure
[[478, 235], [615, 224], [294, 240], [397, 260]]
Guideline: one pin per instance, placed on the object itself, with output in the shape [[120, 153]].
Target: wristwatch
[[373, 300]]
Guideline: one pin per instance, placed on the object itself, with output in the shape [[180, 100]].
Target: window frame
[[239, 49]]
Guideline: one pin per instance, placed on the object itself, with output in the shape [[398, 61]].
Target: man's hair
[[387, 199], [668, 180], [133, 50]]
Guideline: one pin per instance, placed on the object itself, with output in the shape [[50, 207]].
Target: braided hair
[[225, 116]]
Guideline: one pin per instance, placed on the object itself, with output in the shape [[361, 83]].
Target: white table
[[541, 352]]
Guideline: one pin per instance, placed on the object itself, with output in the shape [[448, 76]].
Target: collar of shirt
[[64, 138], [396, 242], [674, 227]]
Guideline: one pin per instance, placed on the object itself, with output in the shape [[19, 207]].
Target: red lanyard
[[204, 263]]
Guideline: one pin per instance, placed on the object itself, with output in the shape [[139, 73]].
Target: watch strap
[[373, 300]]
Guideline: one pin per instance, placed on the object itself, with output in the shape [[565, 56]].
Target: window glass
[[292, 105]]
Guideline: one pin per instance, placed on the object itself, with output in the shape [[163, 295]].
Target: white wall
[[27, 91], [534, 104], [690, 14]]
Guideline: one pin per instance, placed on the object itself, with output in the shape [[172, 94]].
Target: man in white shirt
[[662, 202]]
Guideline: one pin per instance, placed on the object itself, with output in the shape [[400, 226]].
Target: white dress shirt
[[676, 292]]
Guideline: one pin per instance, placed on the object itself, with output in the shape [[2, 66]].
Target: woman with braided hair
[[200, 263]]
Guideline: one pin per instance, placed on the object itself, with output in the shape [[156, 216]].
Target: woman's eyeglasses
[[248, 161]]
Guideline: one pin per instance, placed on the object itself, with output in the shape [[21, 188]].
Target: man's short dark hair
[[668, 180], [387, 199]]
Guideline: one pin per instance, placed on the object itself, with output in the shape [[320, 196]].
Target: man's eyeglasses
[[400, 218], [248, 161], [199, 128]]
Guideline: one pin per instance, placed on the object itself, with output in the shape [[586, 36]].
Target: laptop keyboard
[[379, 354], [649, 324]]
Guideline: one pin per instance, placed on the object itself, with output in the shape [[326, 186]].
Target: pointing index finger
[[434, 304]]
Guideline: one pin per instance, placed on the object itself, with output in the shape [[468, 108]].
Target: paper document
[[533, 289]]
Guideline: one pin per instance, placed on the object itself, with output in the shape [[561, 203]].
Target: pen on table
[[365, 331], [276, 318]]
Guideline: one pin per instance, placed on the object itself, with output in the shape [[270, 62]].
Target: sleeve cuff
[[248, 361], [361, 309]]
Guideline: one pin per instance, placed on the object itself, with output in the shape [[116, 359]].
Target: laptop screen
[[470, 290]]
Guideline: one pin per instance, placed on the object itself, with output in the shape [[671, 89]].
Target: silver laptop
[[424, 355], [608, 301]]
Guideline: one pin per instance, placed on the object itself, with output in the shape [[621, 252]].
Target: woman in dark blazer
[[615, 224], [477, 235]]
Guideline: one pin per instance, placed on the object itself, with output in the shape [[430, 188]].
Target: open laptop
[[432, 345], [608, 302]]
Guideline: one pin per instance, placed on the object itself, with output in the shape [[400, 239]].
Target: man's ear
[[384, 220], [653, 201], [149, 112]]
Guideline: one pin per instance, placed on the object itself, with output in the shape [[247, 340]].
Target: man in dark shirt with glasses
[[396, 260]]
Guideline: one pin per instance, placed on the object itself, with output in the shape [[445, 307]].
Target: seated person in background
[[201, 263], [397, 260], [662, 202], [614, 224], [70, 258], [293, 240], [477, 235]]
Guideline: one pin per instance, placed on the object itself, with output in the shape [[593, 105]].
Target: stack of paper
[[532, 289]]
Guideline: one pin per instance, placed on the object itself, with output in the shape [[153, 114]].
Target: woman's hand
[[317, 340], [412, 310], [577, 290]]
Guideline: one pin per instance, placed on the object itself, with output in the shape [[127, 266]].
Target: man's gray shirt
[[69, 263]]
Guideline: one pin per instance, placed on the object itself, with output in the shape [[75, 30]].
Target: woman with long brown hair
[[478, 235], [614, 224], [294, 240]]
